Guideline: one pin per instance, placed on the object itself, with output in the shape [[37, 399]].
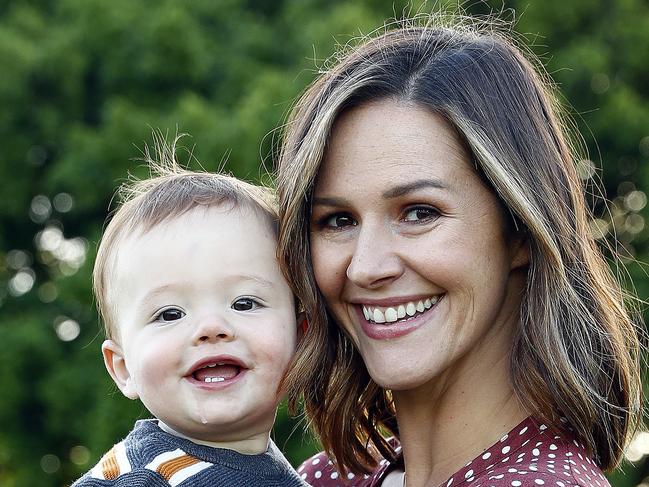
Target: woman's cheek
[[328, 268]]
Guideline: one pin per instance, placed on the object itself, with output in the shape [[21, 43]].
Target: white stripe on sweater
[[97, 472], [187, 472], [122, 460]]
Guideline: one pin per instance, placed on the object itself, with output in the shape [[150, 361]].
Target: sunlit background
[[83, 83]]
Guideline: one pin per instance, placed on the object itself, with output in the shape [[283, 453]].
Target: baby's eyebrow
[[162, 289], [256, 279]]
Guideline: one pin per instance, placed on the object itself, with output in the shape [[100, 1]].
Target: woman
[[436, 232]]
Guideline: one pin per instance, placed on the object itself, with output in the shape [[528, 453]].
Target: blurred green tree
[[86, 80]]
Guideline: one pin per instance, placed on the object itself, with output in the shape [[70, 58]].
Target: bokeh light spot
[[599, 228], [625, 187], [49, 239], [638, 447], [600, 83], [79, 455], [47, 292], [62, 202], [585, 169], [66, 269], [22, 282], [18, 259], [644, 146], [50, 463], [66, 255], [73, 251], [635, 200], [40, 209], [66, 329], [634, 223]]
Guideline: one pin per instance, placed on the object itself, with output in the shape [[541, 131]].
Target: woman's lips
[[396, 320]]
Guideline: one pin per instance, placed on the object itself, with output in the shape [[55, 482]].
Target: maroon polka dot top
[[530, 455]]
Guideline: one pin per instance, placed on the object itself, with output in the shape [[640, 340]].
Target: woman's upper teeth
[[390, 314]]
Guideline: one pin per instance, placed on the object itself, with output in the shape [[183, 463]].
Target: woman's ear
[[520, 250], [302, 325], [116, 366]]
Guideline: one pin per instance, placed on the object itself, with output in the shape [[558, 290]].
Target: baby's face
[[206, 322]]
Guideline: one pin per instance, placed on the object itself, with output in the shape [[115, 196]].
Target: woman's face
[[410, 249]]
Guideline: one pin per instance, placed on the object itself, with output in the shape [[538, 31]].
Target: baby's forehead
[[211, 213], [233, 234]]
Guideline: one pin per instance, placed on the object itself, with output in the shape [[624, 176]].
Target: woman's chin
[[399, 378]]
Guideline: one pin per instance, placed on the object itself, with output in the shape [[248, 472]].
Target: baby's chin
[[248, 445], [220, 436], [201, 431]]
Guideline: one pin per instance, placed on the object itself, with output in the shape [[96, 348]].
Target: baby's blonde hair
[[170, 192]]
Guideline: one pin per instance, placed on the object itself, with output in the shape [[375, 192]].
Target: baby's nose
[[214, 329]]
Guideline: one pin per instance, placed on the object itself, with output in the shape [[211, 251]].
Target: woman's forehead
[[403, 141]]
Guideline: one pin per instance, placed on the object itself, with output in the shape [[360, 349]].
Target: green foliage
[[83, 83]]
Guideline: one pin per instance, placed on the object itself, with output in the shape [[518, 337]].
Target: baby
[[201, 327]]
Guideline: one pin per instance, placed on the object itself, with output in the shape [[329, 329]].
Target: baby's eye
[[170, 314], [338, 220], [418, 214], [245, 304]]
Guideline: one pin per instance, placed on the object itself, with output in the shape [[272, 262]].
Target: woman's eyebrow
[[393, 192], [328, 201], [403, 189]]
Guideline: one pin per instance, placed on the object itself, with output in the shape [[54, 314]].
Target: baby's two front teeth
[[214, 379], [391, 314]]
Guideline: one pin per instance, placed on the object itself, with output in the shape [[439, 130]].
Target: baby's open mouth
[[401, 312], [216, 372]]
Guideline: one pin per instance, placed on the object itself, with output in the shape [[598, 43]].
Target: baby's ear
[[116, 367]]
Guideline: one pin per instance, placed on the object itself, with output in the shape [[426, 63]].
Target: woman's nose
[[375, 261], [213, 329]]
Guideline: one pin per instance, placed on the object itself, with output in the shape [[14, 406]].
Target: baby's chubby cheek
[[150, 379], [149, 369], [276, 356]]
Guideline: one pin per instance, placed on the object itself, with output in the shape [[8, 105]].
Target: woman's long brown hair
[[575, 353]]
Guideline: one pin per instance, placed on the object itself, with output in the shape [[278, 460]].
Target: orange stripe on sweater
[[171, 467], [109, 465]]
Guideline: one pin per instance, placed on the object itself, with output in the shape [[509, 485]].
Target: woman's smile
[[402, 311], [390, 322]]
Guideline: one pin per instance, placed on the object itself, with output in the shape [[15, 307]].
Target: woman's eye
[[245, 304], [170, 314], [338, 221], [421, 213]]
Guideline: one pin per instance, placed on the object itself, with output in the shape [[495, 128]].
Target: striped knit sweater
[[151, 457]]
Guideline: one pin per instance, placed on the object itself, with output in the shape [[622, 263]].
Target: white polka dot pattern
[[531, 455]]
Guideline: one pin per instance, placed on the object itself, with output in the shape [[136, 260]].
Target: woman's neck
[[247, 446], [447, 422]]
